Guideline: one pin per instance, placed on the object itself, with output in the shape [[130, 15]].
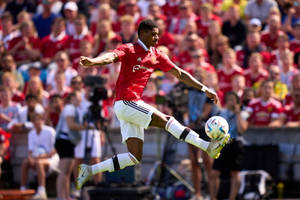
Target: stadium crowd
[[249, 50]]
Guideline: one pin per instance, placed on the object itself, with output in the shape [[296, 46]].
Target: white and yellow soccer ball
[[216, 127]]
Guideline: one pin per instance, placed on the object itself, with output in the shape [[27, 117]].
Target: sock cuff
[[133, 158], [170, 121]]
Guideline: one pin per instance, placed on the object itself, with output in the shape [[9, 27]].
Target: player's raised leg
[[117, 162], [186, 134]]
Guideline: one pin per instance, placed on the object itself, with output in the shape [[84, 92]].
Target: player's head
[[148, 32]]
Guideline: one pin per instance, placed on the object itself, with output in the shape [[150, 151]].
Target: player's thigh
[[135, 147], [130, 130], [138, 113]]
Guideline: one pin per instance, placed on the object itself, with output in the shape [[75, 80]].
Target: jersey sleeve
[[121, 52], [164, 64]]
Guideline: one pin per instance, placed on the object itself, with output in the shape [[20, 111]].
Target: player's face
[[151, 37]]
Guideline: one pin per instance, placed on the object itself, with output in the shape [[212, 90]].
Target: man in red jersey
[[138, 61]]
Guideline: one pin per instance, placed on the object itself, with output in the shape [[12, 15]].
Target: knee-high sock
[[186, 134], [115, 163]]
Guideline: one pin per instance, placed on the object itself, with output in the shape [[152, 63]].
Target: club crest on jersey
[[138, 67], [139, 59]]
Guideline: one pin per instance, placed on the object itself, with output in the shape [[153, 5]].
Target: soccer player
[[138, 61]]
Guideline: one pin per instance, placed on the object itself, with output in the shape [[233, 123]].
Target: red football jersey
[[292, 114], [240, 55], [137, 64], [294, 45], [74, 44], [225, 77], [51, 45], [263, 112], [251, 79], [203, 26], [268, 41]]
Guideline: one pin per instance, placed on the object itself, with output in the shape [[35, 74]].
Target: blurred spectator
[[127, 31], [259, 9], [266, 110], [238, 85], [7, 32], [42, 156], [200, 109], [213, 83], [154, 12], [214, 32], [292, 15], [269, 38], [283, 46], [254, 25], [35, 87], [228, 70], [240, 4], [145, 6], [3, 4], [234, 28], [256, 72], [292, 112], [25, 48], [54, 108], [86, 49], [71, 13], [205, 18], [2, 49], [231, 158], [44, 21], [295, 42], [132, 9], [287, 68], [171, 8], [178, 23], [68, 130], [253, 44], [295, 85], [55, 42], [15, 7], [248, 96], [63, 65], [81, 33], [198, 61], [280, 89], [60, 85], [22, 17], [9, 81], [165, 38], [23, 122], [102, 37], [216, 56], [8, 109], [8, 64]]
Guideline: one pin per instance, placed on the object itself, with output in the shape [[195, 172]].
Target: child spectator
[[35, 87]]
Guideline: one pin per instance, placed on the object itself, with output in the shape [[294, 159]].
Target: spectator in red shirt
[[60, 85], [132, 9], [238, 85], [82, 33], [56, 41], [265, 111], [292, 112], [127, 32], [256, 72], [71, 13], [269, 38], [25, 48], [165, 38], [178, 24], [228, 70], [253, 44], [103, 35], [283, 46], [154, 12], [171, 8], [198, 61], [295, 85], [7, 33], [53, 110], [206, 17]]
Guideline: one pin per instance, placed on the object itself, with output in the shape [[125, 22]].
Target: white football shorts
[[134, 117]]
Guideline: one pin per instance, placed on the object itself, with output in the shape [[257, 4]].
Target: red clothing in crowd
[[263, 112], [225, 77], [268, 41], [50, 45], [251, 79], [292, 114], [203, 26], [74, 43], [240, 55]]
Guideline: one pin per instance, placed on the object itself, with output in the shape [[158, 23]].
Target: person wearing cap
[[71, 13], [234, 28], [259, 9], [44, 21], [254, 25]]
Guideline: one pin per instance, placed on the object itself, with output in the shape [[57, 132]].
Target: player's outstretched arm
[[189, 80], [103, 59]]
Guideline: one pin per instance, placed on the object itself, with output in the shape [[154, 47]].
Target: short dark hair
[[232, 93], [31, 97], [147, 25]]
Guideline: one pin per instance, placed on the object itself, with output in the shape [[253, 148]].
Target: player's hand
[[85, 61], [212, 95]]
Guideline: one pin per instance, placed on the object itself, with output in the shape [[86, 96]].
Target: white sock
[[176, 129], [124, 160], [41, 189], [22, 188]]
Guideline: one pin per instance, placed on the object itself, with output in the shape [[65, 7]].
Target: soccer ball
[[216, 126]]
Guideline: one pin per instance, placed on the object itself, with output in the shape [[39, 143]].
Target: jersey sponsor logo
[[138, 67]]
